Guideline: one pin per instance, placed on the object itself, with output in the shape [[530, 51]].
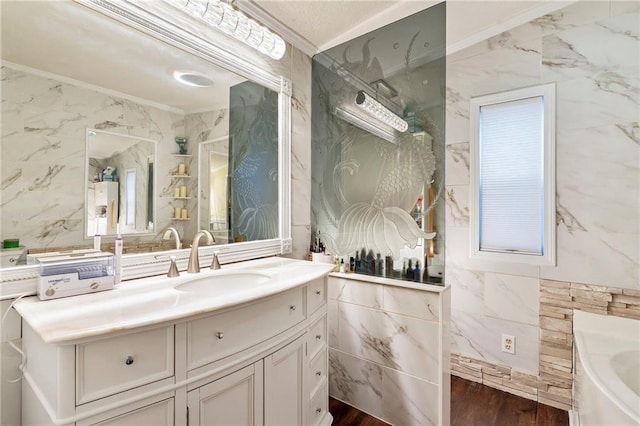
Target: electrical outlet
[[508, 344]]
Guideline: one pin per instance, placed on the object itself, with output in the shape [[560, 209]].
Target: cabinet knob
[[318, 337], [292, 307], [318, 373], [318, 292], [128, 360], [318, 410], [220, 335]]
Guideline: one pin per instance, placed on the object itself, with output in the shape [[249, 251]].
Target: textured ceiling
[[327, 23]]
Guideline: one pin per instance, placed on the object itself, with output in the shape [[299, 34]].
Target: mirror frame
[[87, 159], [221, 51]]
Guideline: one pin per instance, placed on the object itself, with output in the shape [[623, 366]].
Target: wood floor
[[472, 404]]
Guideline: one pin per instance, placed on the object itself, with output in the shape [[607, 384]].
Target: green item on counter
[[11, 243]]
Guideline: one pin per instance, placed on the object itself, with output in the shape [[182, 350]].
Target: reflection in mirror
[[238, 174], [119, 170], [51, 94]]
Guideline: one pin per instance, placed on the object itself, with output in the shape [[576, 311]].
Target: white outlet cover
[[508, 344]]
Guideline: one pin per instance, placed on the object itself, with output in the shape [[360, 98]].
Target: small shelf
[[181, 198], [181, 176]]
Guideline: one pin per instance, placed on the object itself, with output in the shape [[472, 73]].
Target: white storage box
[[62, 276]]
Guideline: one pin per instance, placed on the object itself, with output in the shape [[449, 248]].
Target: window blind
[[511, 185]]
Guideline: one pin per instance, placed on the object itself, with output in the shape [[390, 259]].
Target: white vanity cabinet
[[262, 362]]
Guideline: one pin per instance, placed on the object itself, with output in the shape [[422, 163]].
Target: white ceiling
[[327, 23], [66, 39]]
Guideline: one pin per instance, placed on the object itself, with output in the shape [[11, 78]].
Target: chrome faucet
[[194, 262], [167, 236]]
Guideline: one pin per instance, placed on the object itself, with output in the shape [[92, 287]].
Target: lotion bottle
[[118, 260]]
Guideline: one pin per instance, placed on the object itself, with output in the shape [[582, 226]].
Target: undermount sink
[[223, 282]]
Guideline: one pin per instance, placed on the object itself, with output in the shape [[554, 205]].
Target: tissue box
[[62, 276]]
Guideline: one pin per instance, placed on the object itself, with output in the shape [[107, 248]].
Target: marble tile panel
[[457, 163], [356, 292], [415, 303], [572, 16], [457, 119], [457, 206], [511, 298], [362, 332], [601, 100], [408, 400], [584, 51], [301, 178], [583, 157], [479, 336], [496, 71], [620, 7], [414, 347], [466, 289], [598, 258], [356, 382]]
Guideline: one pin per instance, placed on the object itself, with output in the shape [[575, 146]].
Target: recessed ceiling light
[[192, 78]]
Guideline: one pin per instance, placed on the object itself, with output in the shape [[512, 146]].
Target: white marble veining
[[407, 400], [423, 305], [356, 292], [154, 300], [458, 162], [511, 298], [457, 205], [478, 336], [356, 382]]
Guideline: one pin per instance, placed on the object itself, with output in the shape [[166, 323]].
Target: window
[[513, 176]]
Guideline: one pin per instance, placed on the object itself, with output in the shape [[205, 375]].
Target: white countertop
[[153, 300], [434, 288]]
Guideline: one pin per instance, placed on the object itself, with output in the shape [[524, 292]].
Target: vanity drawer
[[319, 405], [317, 371], [215, 337], [316, 294], [317, 336], [117, 364]]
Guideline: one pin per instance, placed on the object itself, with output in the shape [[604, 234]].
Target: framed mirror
[[119, 184], [114, 67]]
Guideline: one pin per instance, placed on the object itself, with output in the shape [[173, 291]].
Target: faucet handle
[[215, 263], [173, 267]]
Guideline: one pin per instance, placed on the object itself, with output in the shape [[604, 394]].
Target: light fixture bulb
[[379, 111], [234, 23], [191, 78]]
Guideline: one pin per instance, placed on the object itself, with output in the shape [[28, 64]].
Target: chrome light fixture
[[234, 23], [367, 126], [379, 111]]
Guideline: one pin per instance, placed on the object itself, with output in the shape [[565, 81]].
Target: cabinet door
[[284, 398], [235, 399]]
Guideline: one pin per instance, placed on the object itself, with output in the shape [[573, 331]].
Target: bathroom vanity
[[243, 345]]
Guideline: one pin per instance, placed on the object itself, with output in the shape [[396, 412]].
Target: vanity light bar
[[236, 24], [379, 111], [351, 118]]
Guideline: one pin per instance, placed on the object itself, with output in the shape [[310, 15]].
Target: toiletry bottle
[[352, 264], [409, 275], [336, 264], [342, 267], [416, 272], [96, 241], [358, 267], [118, 260]]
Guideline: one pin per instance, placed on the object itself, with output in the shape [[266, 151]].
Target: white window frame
[[548, 257]]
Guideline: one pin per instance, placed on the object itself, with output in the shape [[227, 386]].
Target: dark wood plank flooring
[[472, 404]]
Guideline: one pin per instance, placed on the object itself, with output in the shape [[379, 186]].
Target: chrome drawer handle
[[318, 410], [318, 337], [318, 373], [128, 360], [318, 292], [220, 335], [292, 307]]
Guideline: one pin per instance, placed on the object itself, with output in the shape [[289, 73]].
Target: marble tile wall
[[598, 182], [43, 125], [386, 355]]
